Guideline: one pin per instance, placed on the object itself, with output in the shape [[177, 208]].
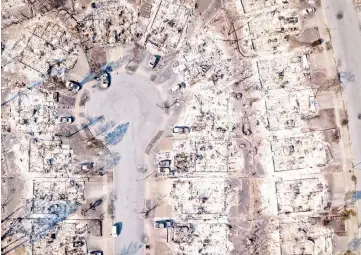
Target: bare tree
[[151, 205]]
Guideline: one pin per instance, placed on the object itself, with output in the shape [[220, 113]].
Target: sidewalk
[[346, 37], [106, 241], [324, 62]]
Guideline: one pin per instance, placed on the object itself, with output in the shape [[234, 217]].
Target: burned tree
[[150, 205]]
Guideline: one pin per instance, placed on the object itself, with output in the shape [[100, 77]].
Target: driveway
[[130, 99]]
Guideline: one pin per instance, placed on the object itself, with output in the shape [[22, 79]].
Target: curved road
[[132, 99]]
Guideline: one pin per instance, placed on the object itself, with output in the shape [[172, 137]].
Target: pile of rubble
[[257, 148]]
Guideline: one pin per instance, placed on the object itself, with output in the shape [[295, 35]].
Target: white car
[[72, 86], [177, 87], [152, 62], [87, 166], [66, 119], [181, 130], [105, 80], [117, 229]]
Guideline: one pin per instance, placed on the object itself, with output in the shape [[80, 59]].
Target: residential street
[[130, 99], [345, 29]]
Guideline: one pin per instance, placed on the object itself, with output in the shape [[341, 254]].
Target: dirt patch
[[202, 5], [162, 249], [97, 57], [295, 43], [325, 119], [309, 35], [332, 135], [12, 190], [318, 77]]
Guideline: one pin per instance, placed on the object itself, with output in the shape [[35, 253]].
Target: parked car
[[73, 86], [177, 87], [87, 165], [167, 223], [165, 163], [105, 80], [98, 252], [308, 11], [181, 130], [67, 119], [117, 229], [153, 62]]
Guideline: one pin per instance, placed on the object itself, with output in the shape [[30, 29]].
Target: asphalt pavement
[[345, 28], [130, 99]]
